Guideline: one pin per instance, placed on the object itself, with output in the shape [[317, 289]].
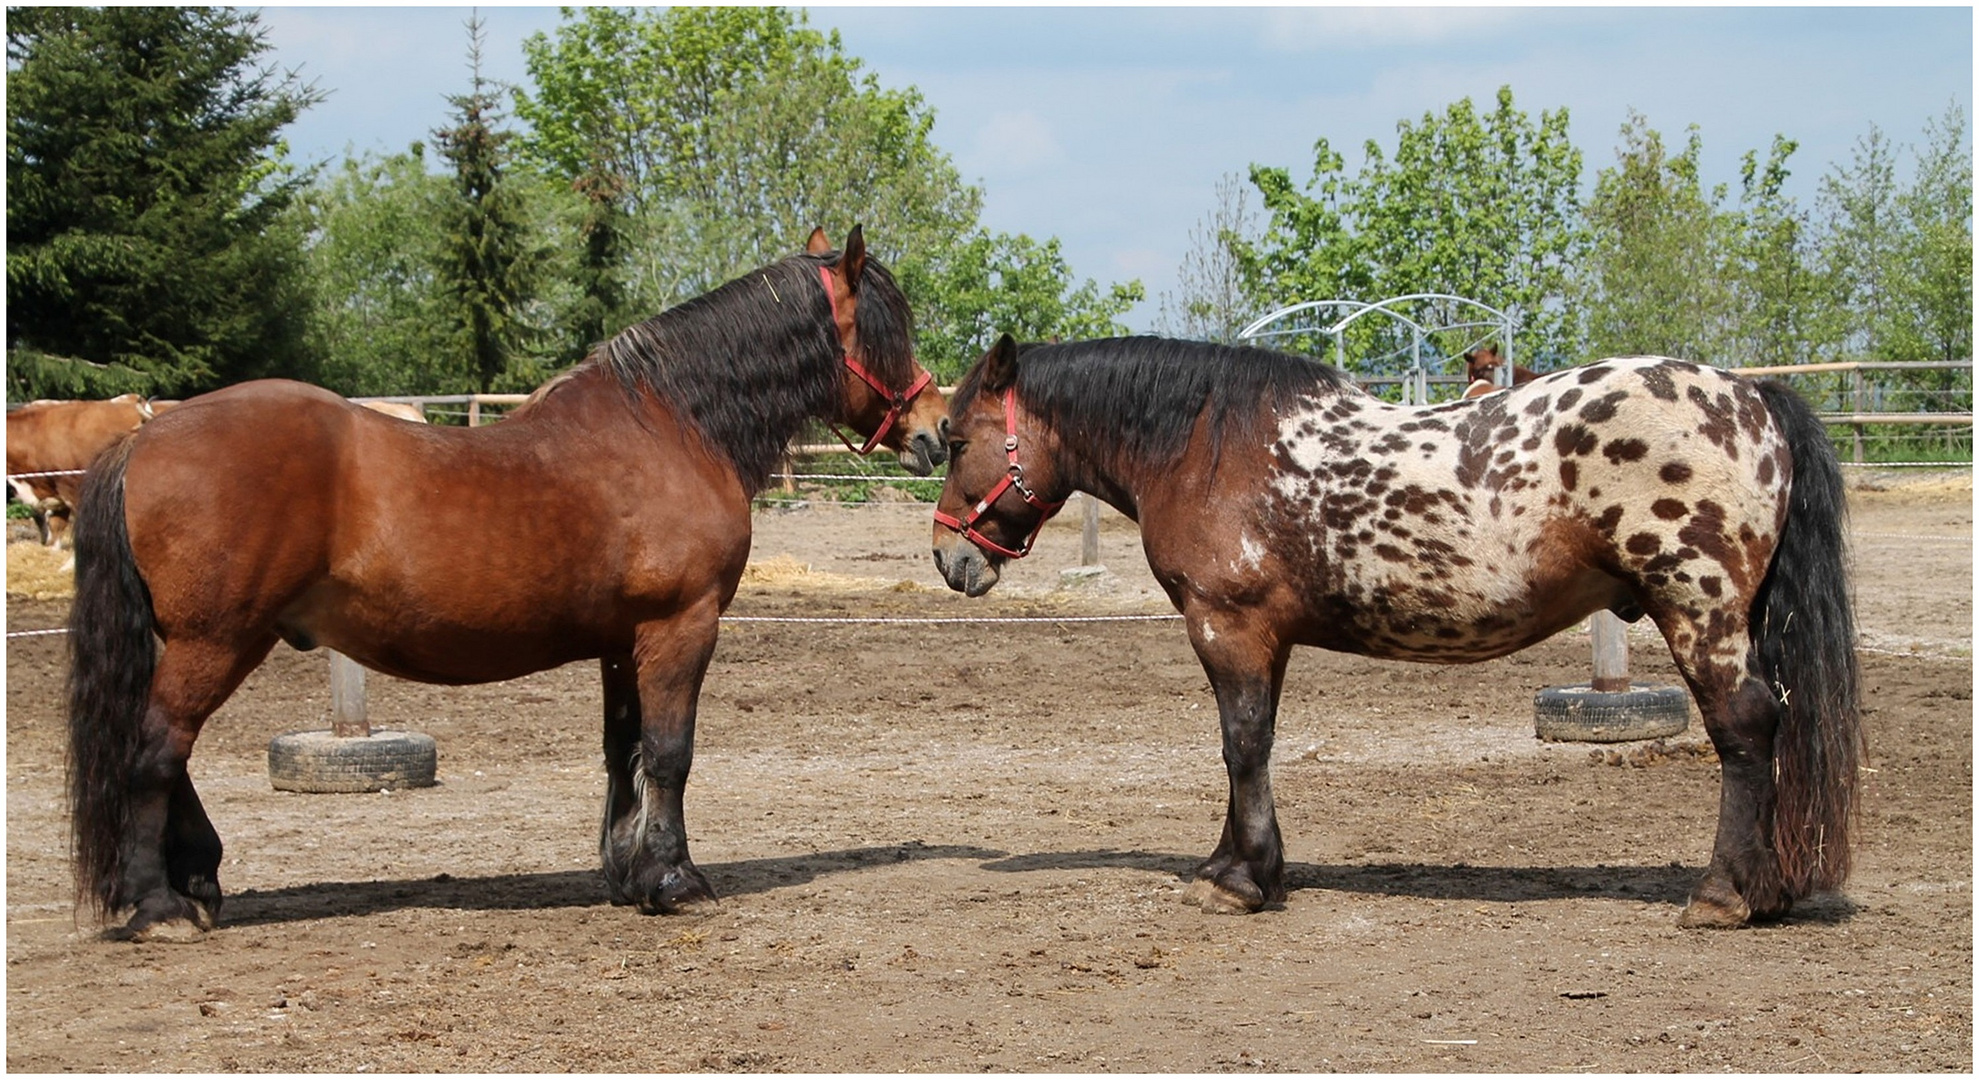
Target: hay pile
[[38, 573], [784, 571]]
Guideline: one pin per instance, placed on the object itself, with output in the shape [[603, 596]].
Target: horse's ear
[[817, 244], [999, 365], [853, 262]]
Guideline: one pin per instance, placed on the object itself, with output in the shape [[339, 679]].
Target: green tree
[[488, 259], [993, 283], [1897, 260], [733, 131], [1937, 210], [1778, 299], [1482, 206], [146, 190], [378, 322], [728, 133], [1654, 277]]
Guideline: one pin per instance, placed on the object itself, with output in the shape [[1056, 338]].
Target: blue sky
[[1109, 127]]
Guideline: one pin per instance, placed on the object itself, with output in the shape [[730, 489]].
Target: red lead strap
[[966, 524], [897, 402]]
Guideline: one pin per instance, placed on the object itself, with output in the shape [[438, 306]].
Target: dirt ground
[[962, 847]]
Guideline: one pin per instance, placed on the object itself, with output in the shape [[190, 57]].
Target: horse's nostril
[[943, 428]]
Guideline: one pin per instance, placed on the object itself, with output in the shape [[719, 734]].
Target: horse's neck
[[1084, 468], [591, 399]]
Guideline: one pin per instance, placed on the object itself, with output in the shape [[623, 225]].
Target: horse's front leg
[[1246, 666], [644, 838]]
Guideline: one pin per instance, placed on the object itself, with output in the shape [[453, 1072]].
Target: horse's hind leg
[[172, 852], [1741, 715]]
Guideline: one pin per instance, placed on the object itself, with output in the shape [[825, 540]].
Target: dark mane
[[750, 361], [1146, 393]]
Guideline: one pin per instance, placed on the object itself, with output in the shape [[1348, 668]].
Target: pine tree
[[146, 197], [488, 259]]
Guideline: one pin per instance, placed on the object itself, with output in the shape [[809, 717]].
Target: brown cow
[[60, 436]]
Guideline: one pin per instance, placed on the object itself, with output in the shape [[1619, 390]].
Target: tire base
[[319, 762], [1584, 714]]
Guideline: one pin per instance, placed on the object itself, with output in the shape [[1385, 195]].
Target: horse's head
[[1483, 362], [1003, 479], [906, 415]]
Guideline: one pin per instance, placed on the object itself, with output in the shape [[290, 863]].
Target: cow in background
[[59, 437]]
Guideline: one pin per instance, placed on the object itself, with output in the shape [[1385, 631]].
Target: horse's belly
[[457, 644], [1455, 622]]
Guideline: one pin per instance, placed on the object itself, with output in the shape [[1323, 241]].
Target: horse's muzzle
[[925, 449], [964, 566]]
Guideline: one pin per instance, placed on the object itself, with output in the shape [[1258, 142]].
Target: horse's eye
[[955, 448]]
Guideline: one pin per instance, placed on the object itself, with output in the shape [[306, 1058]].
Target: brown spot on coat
[[1621, 450], [1575, 439], [1668, 509], [1675, 472]]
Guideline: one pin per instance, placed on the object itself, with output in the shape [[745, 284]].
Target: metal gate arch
[[1302, 318]]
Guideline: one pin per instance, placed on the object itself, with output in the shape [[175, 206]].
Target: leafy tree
[[993, 283], [1938, 211], [1481, 206], [1653, 279], [146, 190], [726, 134], [379, 322], [1898, 259], [731, 132], [1777, 297], [1210, 302]]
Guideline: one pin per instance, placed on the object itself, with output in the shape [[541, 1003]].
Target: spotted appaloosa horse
[[1279, 505], [608, 517]]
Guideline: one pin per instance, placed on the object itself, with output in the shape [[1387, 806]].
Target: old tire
[[317, 761], [1584, 714]]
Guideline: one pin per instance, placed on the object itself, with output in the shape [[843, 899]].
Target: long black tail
[[112, 654], [1803, 630]]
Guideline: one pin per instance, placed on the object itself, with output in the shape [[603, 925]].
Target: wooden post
[[347, 713], [1861, 400], [1089, 536], [1611, 652], [473, 412]]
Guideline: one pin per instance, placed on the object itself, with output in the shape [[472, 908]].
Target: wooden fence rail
[[1856, 419]]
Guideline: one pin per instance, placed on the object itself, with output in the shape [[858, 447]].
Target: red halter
[[897, 400], [966, 524]]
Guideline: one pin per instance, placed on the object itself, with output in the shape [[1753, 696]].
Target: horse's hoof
[[692, 906], [167, 932], [1214, 899], [1714, 906]]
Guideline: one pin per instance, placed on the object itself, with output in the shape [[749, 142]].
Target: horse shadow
[[1669, 884], [554, 888]]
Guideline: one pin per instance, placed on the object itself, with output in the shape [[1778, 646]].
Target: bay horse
[[1481, 370], [608, 517], [1280, 505]]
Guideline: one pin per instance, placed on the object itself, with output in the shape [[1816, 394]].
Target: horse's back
[[439, 553], [1471, 529]]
